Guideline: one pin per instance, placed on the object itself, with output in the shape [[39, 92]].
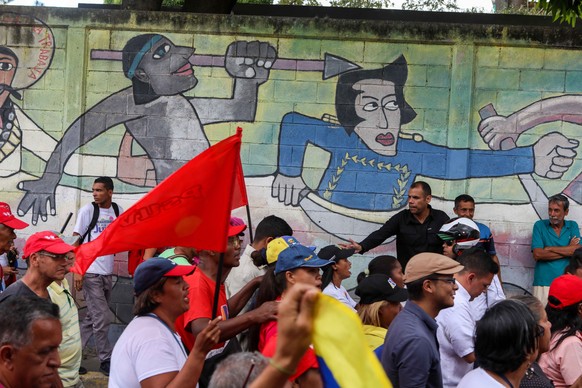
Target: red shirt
[[201, 295]]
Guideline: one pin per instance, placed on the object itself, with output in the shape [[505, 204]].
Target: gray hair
[[236, 368], [560, 198], [18, 313]]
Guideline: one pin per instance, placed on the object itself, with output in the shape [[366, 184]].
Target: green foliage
[[430, 5], [265, 2], [563, 10], [299, 2], [361, 3]]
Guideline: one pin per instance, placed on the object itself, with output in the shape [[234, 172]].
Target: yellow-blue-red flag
[[338, 340]]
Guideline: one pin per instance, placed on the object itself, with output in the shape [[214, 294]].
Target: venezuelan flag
[[345, 360]]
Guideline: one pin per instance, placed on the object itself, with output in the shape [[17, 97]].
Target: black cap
[[335, 253], [378, 287]]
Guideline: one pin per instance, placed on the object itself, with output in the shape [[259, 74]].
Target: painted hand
[[250, 60], [38, 193], [499, 132], [289, 190], [554, 154]]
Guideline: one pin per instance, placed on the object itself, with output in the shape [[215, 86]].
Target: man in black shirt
[[415, 228]]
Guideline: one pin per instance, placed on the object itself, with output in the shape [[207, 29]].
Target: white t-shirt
[[456, 338], [341, 294], [103, 265], [146, 348], [478, 378], [493, 295]]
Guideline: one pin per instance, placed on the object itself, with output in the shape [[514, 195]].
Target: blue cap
[[152, 270], [298, 256]]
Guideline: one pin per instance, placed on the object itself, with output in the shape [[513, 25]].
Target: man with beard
[[553, 242]]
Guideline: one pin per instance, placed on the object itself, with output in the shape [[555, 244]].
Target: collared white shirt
[[455, 335]]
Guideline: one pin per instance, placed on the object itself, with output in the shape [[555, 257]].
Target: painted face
[[7, 69], [35, 365], [417, 201], [167, 69], [479, 284], [376, 105], [52, 266], [174, 295], [397, 275], [388, 312], [101, 195], [557, 213], [232, 254], [7, 237], [311, 276], [465, 209], [544, 340], [342, 268]]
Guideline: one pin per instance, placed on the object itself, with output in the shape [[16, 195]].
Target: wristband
[[285, 371]]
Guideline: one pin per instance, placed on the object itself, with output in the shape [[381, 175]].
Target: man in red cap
[[202, 286], [45, 255], [7, 225]]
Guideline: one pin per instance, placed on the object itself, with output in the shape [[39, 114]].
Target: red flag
[[189, 208]]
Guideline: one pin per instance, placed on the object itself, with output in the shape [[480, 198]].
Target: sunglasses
[[54, 256], [449, 243]]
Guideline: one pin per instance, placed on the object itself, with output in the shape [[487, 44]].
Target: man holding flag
[[96, 284]]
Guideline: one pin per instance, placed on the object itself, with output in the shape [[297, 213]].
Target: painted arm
[[501, 133], [249, 63], [108, 113]]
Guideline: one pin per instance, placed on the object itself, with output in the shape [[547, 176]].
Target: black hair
[[476, 260], [18, 313], [415, 289], [346, 95], [463, 198], [384, 264], [505, 336], [327, 275], [144, 302], [567, 321], [560, 198], [6, 51], [575, 262], [272, 226], [142, 91], [107, 182], [272, 286], [424, 186]]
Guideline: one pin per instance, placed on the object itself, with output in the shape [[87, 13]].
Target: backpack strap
[[115, 209], [92, 223]]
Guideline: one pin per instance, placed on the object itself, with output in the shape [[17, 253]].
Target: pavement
[[93, 378]]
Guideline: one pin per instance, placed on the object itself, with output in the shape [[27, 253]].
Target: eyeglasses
[[448, 280], [235, 241], [54, 256]]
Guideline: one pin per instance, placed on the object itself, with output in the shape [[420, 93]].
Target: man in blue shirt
[[411, 356], [553, 242]]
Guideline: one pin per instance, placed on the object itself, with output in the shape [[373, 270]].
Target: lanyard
[[152, 315]]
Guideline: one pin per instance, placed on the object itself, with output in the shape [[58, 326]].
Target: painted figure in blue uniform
[[372, 165]]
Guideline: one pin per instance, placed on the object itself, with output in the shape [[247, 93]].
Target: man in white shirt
[[96, 283], [456, 329]]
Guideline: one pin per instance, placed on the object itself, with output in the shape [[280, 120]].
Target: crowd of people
[[435, 315]]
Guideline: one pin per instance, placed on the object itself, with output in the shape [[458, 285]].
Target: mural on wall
[[154, 111], [26, 52], [372, 164]]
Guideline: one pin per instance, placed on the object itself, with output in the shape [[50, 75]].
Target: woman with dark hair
[[506, 344], [575, 265], [563, 362], [387, 265], [334, 274], [295, 264], [149, 352], [380, 302], [534, 376]]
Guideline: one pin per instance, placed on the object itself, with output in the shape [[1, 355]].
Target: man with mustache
[[553, 242]]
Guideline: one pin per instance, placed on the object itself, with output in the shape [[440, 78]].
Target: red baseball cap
[[46, 241], [237, 226], [8, 219], [567, 289]]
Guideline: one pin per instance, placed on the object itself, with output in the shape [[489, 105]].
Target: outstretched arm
[[501, 133], [249, 63], [108, 113]]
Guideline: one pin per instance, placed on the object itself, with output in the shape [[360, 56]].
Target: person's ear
[[428, 198], [7, 354], [334, 266], [141, 75], [290, 277], [427, 286]]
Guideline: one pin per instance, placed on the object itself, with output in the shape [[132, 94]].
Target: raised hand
[[554, 154], [289, 190], [250, 60]]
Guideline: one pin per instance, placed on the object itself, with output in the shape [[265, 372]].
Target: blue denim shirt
[[411, 354]]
